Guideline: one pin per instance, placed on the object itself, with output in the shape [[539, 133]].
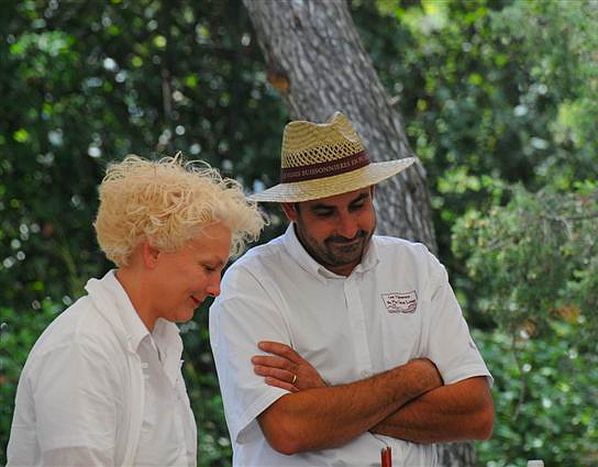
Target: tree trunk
[[317, 63]]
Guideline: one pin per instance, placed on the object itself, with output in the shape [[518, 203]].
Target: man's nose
[[347, 226]]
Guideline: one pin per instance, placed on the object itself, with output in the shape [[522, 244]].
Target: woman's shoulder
[[78, 328]]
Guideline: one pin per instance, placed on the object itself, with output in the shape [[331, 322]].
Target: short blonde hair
[[167, 201]]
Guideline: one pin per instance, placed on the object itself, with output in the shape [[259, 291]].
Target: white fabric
[[343, 327], [93, 391]]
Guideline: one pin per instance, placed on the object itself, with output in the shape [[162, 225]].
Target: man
[[365, 344]]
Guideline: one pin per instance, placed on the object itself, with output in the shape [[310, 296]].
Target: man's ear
[[150, 254], [290, 211]]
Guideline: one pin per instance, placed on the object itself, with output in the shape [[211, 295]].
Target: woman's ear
[[150, 254]]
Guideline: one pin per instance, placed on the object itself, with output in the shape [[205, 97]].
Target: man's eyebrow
[[361, 197], [320, 206], [324, 206]]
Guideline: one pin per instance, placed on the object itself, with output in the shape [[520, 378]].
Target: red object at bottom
[[386, 457]]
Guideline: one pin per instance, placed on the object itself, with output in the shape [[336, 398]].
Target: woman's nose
[[213, 288]]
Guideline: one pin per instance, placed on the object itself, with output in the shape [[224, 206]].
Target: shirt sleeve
[[243, 315], [449, 343], [75, 392]]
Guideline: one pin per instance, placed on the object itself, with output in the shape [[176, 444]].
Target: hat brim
[[308, 190]]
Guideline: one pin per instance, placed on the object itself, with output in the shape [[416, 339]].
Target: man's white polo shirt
[[395, 306]]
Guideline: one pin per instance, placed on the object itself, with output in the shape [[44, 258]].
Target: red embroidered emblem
[[400, 302]]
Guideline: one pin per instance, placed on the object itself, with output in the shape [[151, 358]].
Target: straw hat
[[325, 159]]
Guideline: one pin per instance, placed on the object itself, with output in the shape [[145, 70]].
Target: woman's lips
[[196, 301]]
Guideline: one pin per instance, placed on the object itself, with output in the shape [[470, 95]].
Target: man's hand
[[285, 368]]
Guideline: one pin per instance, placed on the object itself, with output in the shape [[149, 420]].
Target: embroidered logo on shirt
[[400, 302]]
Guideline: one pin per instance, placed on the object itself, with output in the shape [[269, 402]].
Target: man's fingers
[[267, 360], [280, 384], [282, 375], [276, 377], [280, 349]]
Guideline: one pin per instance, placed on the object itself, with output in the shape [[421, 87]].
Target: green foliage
[[533, 258], [214, 448], [502, 89], [87, 82], [545, 393], [533, 268]]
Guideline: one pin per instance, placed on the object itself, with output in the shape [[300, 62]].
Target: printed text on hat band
[[324, 169]]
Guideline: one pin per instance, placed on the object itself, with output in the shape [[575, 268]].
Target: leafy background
[[498, 99]]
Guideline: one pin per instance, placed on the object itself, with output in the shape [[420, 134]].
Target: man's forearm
[[321, 418], [455, 412]]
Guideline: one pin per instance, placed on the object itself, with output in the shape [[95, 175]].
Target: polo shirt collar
[[370, 258], [304, 259]]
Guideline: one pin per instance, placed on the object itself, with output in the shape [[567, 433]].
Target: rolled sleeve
[[449, 343]]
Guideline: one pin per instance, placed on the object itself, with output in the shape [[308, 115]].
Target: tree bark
[[316, 61]]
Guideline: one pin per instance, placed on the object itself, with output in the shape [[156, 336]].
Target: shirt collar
[[370, 258], [167, 338], [165, 335], [304, 259], [134, 327]]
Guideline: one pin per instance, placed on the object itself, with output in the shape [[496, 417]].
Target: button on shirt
[[72, 405], [396, 305], [168, 432]]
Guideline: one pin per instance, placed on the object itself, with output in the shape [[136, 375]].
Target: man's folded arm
[[454, 412], [326, 417]]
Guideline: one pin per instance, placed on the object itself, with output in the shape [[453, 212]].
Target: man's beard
[[340, 251], [336, 251]]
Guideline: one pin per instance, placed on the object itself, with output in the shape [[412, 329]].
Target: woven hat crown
[[306, 143], [325, 159]]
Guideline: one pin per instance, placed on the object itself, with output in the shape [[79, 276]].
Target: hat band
[[324, 169]]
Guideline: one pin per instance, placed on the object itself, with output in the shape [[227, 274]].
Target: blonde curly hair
[[168, 202]]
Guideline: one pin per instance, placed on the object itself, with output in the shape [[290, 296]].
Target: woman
[[103, 384]]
